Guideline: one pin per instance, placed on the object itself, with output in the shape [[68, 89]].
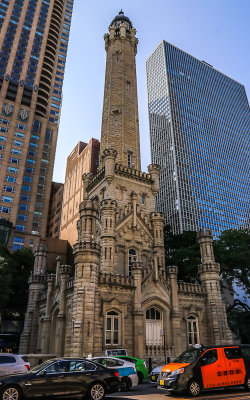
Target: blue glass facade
[[199, 130]]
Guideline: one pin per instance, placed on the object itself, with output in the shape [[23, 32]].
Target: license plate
[[162, 382], [153, 378]]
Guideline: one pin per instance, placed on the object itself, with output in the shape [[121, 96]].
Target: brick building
[[84, 158], [55, 210]]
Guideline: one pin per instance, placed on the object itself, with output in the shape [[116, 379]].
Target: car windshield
[[39, 367], [188, 356]]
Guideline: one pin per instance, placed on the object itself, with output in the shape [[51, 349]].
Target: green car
[[140, 366]]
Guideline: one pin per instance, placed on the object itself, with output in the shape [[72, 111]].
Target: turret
[[138, 313], [37, 282], [157, 220], [108, 161], [154, 171], [172, 271], [86, 260], [108, 213], [87, 223], [209, 270], [209, 274]]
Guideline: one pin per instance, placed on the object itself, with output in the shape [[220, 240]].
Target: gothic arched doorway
[[154, 323]]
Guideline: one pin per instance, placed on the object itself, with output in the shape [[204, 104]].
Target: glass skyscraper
[[199, 132], [34, 38]]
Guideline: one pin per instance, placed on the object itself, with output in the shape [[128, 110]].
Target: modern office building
[[199, 130], [34, 37]]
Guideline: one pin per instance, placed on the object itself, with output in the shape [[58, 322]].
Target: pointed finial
[[121, 12]]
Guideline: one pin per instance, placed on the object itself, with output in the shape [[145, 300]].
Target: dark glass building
[[34, 38], [199, 131]]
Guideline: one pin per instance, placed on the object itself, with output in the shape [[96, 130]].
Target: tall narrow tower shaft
[[120, 125]]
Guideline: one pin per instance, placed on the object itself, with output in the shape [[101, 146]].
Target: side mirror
[[203, 361]]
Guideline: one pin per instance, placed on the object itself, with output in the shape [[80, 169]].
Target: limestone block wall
[[118, 298], [120, 123], [193, 304]]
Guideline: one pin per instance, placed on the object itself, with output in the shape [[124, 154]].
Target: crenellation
[[34, 278], [116, 280], [184, 287]]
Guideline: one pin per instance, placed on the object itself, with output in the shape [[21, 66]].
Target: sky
[[217, 31]]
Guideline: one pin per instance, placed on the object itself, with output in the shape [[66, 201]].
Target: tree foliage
[[184, 252], [238, 315], [232, 251], [5, 279], [15, 269]]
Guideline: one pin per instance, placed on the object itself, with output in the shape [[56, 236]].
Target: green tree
[[5, 279], [238, 315], [184, 252], [15, 269], [232, 251]]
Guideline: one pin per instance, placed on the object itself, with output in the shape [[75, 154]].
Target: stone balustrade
[[191, 288], [152, 351], [118, 280]]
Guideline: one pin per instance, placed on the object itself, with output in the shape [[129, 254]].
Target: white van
[[116, 352]]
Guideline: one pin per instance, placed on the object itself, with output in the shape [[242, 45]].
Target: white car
[[127, 372], [12, 364], [154, 375]]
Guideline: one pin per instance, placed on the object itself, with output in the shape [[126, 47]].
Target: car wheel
[[96, 391], [247, 383], [10, 393], [194, 388], [125, 384], [140, 377]]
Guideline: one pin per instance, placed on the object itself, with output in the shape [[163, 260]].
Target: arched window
[[113, 321], [153, 327], [131, 259], [192, 330]]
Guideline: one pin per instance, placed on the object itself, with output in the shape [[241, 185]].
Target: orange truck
[[203, 368]]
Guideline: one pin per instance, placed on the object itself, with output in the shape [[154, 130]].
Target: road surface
[[147, 391]]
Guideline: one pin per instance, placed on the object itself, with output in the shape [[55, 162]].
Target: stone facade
[[119, 293]]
